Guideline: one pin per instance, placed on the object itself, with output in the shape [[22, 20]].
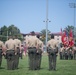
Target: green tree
[[73, 29], [11, 30], [68, 28], [43, 34], [3, 33]]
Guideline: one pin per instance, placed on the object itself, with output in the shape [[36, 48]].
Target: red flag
[[71, 40], [64, 38], [71, 34]]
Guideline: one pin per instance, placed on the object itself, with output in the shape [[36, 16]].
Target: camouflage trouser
[[52, 61], [38, 59], [21, 54], [0, 57], [61, 57], [52, 58], [66, 55], [10, 55], [32, 58], [70, 55], [17, 58]]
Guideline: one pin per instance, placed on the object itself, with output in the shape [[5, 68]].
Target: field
[[64, 67]]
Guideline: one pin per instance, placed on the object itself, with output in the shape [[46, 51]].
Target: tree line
[[13, 30], [7, 31]]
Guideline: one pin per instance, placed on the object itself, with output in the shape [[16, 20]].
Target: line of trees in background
[[13, 30], [5, 32], [67, 29]]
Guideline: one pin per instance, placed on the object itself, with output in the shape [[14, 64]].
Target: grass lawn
[[64, 67]]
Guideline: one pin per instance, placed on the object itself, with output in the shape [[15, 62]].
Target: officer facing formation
[[70, 53], [61, 52], [66, 52], [32, 50], [1, 51], [52, 49], [17, 51], [10, 53]]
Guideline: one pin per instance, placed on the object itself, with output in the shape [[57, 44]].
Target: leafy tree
[[3, 33], [43, 34], [68, 28], [72, 28], [11, 30]]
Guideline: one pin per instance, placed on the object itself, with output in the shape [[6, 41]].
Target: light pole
[[7, 34], [47, 20], [73, 5]]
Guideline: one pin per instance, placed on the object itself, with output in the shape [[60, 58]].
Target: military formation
[[12, 49], [67, 53]]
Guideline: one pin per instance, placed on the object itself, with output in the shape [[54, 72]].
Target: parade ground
[[64, 67]]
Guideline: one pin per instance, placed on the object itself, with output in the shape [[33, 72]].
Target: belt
[[0, 49], [31, 47], [10, 50]]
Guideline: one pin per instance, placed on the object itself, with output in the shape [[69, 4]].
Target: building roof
[[38, 33], [57, 33]]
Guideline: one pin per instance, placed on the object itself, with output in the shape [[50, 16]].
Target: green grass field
[[64, 67]]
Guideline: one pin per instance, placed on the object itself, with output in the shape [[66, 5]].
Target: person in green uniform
[[32, 50], [52, 49], [18, 51], [1, 51], [10, 53]]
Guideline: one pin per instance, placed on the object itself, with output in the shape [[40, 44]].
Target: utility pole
[[73, 5]]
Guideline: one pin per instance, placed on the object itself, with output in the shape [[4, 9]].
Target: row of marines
[[67, 52], [35, 50], [12, 49]]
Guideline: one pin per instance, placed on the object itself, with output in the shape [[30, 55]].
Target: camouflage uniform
[[66, 53], [1, 51], [10, 54], [74, 51], [18, 51], [70, 53], [32, 50], [61, 54], [52, 52], [39, 53]]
